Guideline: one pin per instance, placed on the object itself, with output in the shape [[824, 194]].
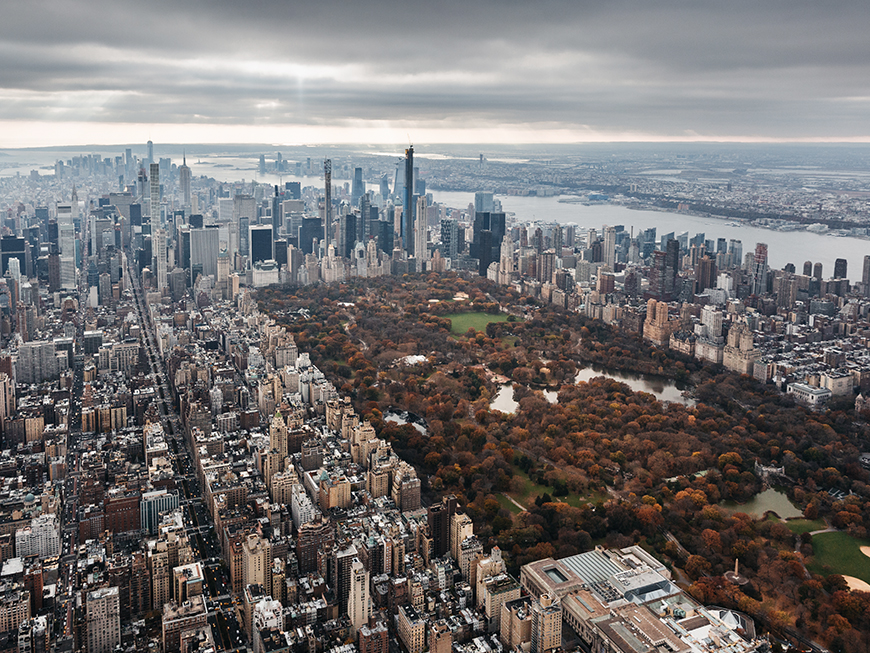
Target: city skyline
[[333, 73]]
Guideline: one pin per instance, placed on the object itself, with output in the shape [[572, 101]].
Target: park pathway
[[513, 501]]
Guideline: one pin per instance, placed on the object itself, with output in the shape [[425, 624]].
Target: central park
[[577, 464]]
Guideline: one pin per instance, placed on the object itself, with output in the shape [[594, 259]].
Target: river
[[783, 246]]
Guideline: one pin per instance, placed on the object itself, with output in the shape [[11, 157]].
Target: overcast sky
[[99, 71]]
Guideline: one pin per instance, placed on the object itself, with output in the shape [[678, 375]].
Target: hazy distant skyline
[[386, 72]]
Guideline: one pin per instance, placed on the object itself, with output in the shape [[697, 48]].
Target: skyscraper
[[840, 268], [483, 202], [484, 248], [408, 203], [363, 217], [438, 520], [310, 229], [449, 238], [276, 214], [345, 235], [735, 248], [357, 188], [865, 277], [160, 259], [13, 247], [155, 193], [705, 274], [150, 151], [609, 247], [243, 227], [184, 182], [421, 230], [327, 204], [758, 272], [182, 247], [204, 245], [261, 244]]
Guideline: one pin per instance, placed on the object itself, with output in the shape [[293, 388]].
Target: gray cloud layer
[[782, 69]]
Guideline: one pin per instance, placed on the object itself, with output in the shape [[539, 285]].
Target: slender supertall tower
[[155, 195], [609, 248], [421, 247], [408, 203], [327, 209]]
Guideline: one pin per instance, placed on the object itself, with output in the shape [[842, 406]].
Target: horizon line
[[337, 144]]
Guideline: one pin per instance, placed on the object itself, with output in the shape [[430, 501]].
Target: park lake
[[771, 500], [664, 389]]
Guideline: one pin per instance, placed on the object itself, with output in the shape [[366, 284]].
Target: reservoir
[[663, 389]]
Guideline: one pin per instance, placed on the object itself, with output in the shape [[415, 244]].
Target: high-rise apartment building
[[7, 397], [104, 620], [421, 231], [546, 632], [41, 538], [438, 519], [359, 607], [461, 527], [36, 362], [314, 536], [160, 259], [449, 238], [256, 561]]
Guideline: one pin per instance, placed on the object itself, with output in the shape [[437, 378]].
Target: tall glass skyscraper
[[408, 203]]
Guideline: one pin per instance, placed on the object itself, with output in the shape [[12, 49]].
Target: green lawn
[[507, 504], [530, 490], [839, 553], [801, 526], [593, 497], [462, 322]]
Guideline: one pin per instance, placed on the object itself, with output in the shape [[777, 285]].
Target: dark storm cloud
[[766, 69]]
